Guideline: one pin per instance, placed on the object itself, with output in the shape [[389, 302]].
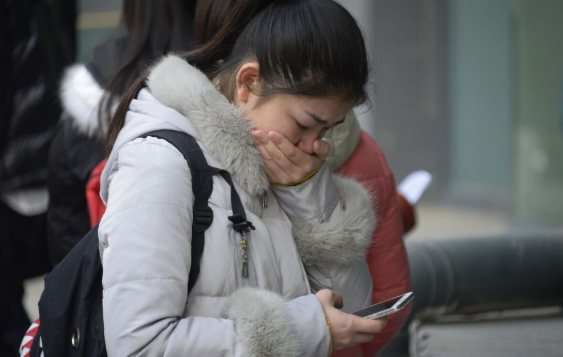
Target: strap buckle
[[240, 224], [203, 217]]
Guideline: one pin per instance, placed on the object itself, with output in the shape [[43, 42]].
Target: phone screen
[[384, 305]]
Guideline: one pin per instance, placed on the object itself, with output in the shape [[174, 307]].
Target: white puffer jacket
[[307, 237]]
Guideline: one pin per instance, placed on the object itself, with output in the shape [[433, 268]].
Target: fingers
[[321, 149], [300, 159], [369, 326], [278, 167], [285, 162], [365, 337], [348, 330], [331, 298], [337, 300], [294, 154]]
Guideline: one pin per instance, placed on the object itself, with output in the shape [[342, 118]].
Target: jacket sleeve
[[332, 224], [145, 244]]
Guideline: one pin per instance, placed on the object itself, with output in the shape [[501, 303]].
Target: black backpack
[[70, 307]]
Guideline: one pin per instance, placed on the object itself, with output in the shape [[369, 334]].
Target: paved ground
[[446, 221]]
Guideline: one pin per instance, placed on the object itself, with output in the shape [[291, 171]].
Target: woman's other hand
[[347, 330], [285, 163]]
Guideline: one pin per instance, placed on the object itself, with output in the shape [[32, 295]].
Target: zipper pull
[[243, 246], [265, 199]]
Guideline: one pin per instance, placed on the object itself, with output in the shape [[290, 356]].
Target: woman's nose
[[305, 144]]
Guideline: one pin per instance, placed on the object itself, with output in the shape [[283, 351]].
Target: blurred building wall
[[97, 21], [473, 92], [540, 111], [481, 98], [470, 90], [405, 39]]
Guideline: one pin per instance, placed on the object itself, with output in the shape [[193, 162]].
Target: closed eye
[[302, 127]]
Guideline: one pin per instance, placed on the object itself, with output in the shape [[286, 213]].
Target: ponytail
[[205, 58], [210, 15], [118, 119], [220, 46], [151, 28]]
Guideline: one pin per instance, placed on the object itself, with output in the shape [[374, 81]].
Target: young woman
[[89, 94], [258, 98], [353, 154]]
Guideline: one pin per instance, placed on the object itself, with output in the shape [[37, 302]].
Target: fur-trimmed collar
[[224, 129], [80, 96]]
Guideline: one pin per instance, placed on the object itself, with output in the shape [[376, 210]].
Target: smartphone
[[386, 307]]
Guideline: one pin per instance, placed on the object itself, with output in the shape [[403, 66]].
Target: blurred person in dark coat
[[36, 43], [89, 93]]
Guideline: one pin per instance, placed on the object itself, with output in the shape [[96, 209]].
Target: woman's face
[[302, 120]]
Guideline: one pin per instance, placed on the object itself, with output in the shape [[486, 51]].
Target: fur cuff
[[263, 323], [342, 239]]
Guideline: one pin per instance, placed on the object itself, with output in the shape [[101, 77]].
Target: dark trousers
[[23, 254]]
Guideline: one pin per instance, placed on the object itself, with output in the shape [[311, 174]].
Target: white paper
[[414, 185]]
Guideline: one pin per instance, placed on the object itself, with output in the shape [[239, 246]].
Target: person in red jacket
[[354, 154]]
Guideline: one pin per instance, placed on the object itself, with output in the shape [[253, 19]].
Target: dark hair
[[209, 17], [303, 47], [153, 28]]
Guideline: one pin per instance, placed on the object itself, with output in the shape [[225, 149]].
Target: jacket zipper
[[265, 199], [238, 263], [243, 247], [245, 275]]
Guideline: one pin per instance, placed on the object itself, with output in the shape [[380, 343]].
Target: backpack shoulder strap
[[202, 186]]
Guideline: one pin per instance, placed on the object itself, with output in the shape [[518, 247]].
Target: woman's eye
[[302, 127]]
